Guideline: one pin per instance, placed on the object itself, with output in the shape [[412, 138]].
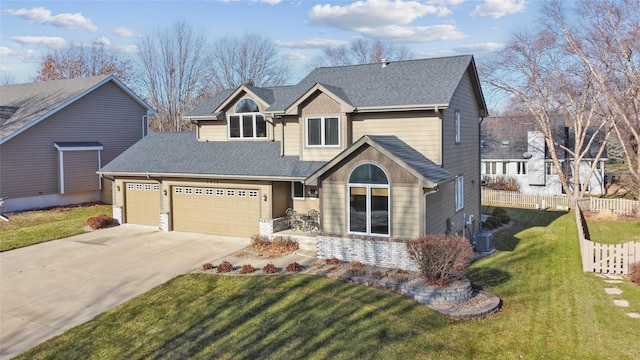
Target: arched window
[[247, 122], [368, 188]]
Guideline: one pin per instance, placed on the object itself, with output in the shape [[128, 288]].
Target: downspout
[[282, 137]]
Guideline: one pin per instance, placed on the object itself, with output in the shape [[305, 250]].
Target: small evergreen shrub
[[247, 269], [494, 221], [100, 221], [207, 266], [486, 226], [441, 258], [224, 267], [634, 273], [270, 269], [505, 218], [498, 211]]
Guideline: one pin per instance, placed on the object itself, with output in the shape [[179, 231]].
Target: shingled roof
[[180, 154], [424, 82], [24, 105]]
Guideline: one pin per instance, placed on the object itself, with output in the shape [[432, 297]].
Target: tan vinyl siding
[[292, 136], [420, 130], [30, 161], [321, 105], [405, 217], [334, 218], [213, 131], [464, 158], [80, 171], [439, 206]]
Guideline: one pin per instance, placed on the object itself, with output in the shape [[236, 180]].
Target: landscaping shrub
[[498, 211], [333, 261], [276, 247], [284, 245], [486, 226], [100, 221], [505, 218], [260, 243], [494, 221], [634, 273], [270, 269], [441, 258], [225, 267], [293, 267], [247, 269], [356, 269], [207, 266]]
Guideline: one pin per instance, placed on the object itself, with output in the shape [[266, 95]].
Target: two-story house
[[388, 151], [516, 152]]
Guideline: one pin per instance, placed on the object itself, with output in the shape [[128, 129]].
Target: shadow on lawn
[[483, 277], [505, 238]]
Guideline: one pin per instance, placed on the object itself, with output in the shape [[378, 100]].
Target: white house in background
[[518, 152]]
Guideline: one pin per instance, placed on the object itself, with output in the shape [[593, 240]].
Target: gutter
[[164, 176], [434, 107]]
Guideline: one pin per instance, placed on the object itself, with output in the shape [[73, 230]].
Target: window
[[177, 190], [147, 186], [242, 193], [130, 186], [156, 187], [505, 168], [522, 167], [208, 191], [550, 169], [231, 193], [247, 123], [219, 192], [188, 191], [198, 191], [457, 127], [297, 189], [459, 193], [253, 193], [490, 167], [323, 131], [368, 201]]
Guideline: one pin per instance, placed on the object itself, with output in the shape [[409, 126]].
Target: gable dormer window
[[247, 122]]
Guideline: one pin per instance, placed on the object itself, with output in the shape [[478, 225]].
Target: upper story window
[[247, 122], [457, 127], [323, 131], [459, 193]]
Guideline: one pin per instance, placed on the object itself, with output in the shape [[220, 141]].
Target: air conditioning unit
[[482, 241]]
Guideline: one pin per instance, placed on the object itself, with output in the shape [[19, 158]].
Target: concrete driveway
[[49, 288]]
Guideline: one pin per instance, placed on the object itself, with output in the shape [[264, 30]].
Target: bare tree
[[173, 71], [538, 72], [79, 61], [7, 78], [607, 41], [361, 51], [250, 59]]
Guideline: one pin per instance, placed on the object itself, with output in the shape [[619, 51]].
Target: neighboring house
[[516, 151], [384, 151], [55, 135]]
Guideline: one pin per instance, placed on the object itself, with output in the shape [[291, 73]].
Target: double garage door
[[223, 211]]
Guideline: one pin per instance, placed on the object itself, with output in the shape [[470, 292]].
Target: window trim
[[368, 190], [459, 191], [293, 191], [323, 140], [457, 127], [254, 123]]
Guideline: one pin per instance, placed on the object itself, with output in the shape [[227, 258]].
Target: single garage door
[[221, 211], [142, 203]]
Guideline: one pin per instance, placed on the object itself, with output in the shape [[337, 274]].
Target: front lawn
[[551, 310], [33, 227]]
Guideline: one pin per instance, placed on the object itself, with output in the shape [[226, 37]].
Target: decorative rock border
[[458, 301]]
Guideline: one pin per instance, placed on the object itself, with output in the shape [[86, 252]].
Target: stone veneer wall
[[270, 226], [390, 254]]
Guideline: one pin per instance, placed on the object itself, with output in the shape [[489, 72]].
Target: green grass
[[551, 311], [33, 227]]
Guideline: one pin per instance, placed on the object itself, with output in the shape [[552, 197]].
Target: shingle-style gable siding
[[30, 161]]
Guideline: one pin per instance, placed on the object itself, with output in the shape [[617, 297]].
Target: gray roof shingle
[[180, 153], [404, 83], [414, 159]]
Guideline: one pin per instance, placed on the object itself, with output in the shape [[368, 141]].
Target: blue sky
[[300, 29]]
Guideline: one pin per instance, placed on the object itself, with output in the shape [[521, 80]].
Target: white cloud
[[481, 48], [48, 41], [371, 13], [294, 55], [102, 41], [5, 51], [414, 33], [310, 43], [270, 2], [129, 49], [498, 8], [123, 32], [66, 20]]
